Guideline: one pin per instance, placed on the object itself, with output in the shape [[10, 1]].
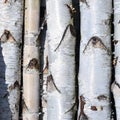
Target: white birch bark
[[61, 82], [95, 60], [116, 84], [11, 20], [31, 85]]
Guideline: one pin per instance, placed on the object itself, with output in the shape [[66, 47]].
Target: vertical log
[[61, 57], [31, 84], [11, 21], [95, 60]]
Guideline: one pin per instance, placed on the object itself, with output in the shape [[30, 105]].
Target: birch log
[[61, 57], [116, 84], [31, 61], [11, 20], [95, 60]]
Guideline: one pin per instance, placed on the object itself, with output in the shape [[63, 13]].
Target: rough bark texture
[[61, 82], [43, 60], [95, 60], [31, 61], [45, 74], [116, 63], [11, 20]]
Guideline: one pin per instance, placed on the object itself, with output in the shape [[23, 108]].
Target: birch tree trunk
[[95, 60], [116, 84], [31, 84], [61, 51], [11, 20]]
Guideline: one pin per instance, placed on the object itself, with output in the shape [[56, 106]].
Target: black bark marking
[[71, 108], [15, 85], [71, 10], [82, 115], [64, 33], [24, 105], [33, 64], [96, 42], [7, 36], [43, 24], [72, 29], [117, 84], [84, 1], [102, 97], [119, 22], [51, 84], [115, 60], [115, 42]]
